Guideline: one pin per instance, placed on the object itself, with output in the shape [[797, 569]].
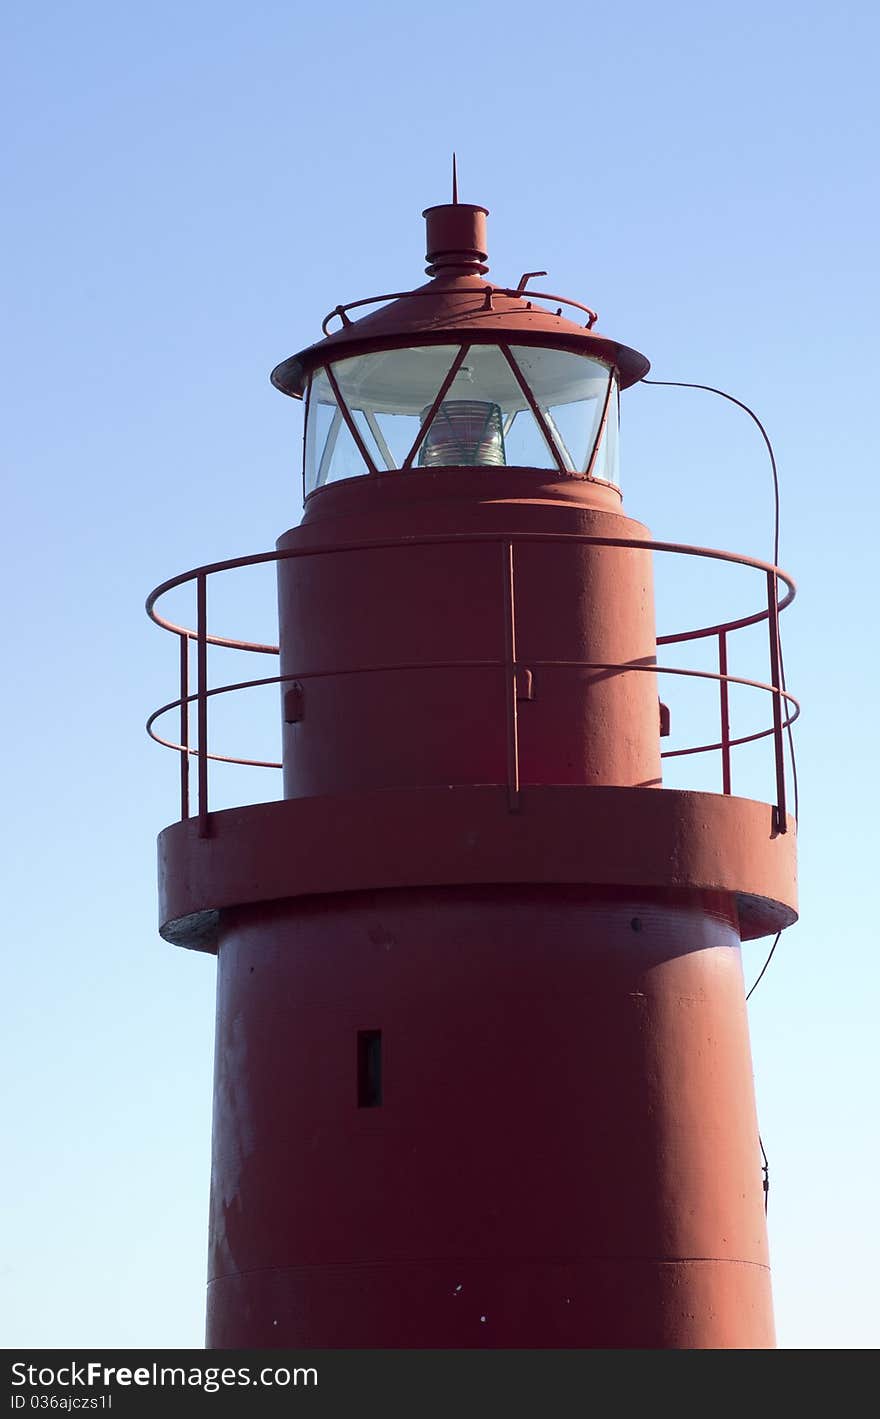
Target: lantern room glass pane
[[524, 444], [570, 391], [398, 382], [606, 465], [322, 431], [399, 433], [331, 452]]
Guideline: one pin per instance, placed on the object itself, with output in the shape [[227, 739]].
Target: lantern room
[[460, 373], [461, 406]]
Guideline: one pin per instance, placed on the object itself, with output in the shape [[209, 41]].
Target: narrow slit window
[[369, 1068]]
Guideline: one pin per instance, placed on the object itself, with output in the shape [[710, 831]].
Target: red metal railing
[[490, 290], [785, 707]]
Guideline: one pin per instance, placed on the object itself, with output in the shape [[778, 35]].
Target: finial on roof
[[456, 235]]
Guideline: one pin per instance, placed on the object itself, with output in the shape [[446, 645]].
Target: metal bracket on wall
[[525, 683], [293, 703]]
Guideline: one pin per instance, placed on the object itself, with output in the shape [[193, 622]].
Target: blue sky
[[189, 189]]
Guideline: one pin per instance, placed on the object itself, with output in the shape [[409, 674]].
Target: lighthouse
[[482, 1072]]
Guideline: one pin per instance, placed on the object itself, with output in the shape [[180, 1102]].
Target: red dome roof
[[457, 306]]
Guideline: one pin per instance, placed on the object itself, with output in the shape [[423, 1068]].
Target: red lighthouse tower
[[482, 1062]]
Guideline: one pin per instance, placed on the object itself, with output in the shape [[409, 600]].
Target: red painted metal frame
[[202, 698], [725, 711], [507, 569], [184, 726], [308, 403], [781, 721], [773, 630], [536, 410], [588, 471]]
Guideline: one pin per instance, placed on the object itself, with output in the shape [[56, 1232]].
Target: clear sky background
[[189, 188]]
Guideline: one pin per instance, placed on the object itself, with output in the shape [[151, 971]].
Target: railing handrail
[[452, 538], [785, 707], [622, 665], [484, 292]]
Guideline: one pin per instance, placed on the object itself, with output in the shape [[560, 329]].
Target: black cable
[[710, 389], [765, 965], [766, 1171]]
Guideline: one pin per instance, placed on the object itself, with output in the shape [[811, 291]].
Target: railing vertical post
[[773, 626], [724, 691], [202, 692], [510, 678], [184, 724]]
